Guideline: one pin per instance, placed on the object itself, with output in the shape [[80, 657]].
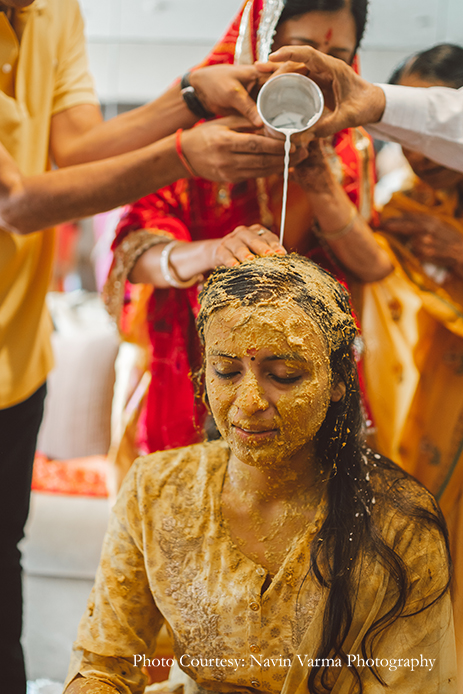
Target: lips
[[254, 432]]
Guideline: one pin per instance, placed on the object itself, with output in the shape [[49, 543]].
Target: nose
[[250, 396]]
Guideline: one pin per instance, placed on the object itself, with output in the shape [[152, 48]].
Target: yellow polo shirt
[[44, 74]]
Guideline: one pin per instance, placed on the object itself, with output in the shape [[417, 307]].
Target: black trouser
[[19, 426]]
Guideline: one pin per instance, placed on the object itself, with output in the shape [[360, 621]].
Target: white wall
[[137, 47]]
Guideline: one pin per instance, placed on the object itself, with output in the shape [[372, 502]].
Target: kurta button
[[261, 571], [254, 648], [254, 606], [6, 68]]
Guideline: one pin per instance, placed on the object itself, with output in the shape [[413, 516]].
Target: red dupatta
[[198, 209]]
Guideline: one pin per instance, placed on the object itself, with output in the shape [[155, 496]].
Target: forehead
[[278, 327], [341, 23], [413, 79]]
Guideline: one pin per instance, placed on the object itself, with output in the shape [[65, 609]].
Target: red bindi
[[329, 36]]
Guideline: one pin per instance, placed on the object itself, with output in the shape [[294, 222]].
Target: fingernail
[[250, 256]]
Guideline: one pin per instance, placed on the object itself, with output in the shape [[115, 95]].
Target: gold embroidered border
[[125, 257]]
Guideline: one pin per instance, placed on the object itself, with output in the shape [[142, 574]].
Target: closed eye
[[226, 375], [285, 379]]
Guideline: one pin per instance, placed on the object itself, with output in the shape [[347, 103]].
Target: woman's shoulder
[[396, 493], [409, 519], [179, 466]]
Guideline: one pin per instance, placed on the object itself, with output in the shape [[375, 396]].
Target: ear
[[338, 391]]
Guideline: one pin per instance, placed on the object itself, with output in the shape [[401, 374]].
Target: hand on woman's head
[[244, 243]]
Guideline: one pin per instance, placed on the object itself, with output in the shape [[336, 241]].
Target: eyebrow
[[291, 356]]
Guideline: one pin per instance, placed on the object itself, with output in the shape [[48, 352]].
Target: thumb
[[245, 105]]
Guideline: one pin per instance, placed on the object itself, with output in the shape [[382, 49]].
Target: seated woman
[[413, 322], [329, 207], [285, 557]]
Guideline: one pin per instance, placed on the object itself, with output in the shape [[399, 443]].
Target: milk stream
[[287, 123], [284, 203]]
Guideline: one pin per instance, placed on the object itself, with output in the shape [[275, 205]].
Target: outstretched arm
[[427, 120], [217, 151], [79, 135]]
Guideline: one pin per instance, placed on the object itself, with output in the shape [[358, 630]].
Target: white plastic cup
[[290, 101]]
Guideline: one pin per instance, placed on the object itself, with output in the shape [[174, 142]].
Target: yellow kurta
[[168, 557], [44, 74]]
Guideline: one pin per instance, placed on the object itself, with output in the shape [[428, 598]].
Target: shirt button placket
[[255, 626]]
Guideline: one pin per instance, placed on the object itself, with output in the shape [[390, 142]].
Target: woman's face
[[435, 175], [268, 381], [333, 33]]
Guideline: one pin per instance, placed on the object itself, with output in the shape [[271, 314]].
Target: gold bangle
[[344, 230]]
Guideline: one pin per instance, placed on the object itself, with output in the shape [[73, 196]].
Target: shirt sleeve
[[426, 120], [121, 620], [73, 82]]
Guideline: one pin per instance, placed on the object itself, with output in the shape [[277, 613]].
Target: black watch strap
[[191, 99]]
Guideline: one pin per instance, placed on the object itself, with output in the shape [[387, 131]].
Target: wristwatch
[[191, 99]]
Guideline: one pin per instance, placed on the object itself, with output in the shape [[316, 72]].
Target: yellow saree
[[413, 330]]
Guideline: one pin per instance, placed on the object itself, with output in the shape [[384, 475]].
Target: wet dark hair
[[443, 63], [359, 9], [363, 488]]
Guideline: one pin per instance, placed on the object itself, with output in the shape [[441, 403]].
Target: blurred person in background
[[413, 322]]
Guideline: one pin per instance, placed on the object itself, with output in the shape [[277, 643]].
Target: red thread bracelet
[[181, 156]]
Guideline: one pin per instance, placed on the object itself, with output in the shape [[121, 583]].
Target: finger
[[248, 143], [244, 104], [266, 67], [254, 166], [238, 249], [295, 54], [261, 241], [400, 226], [291, 67], [248, 166], [225, 257]]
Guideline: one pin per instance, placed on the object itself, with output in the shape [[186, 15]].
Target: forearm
[[357, 250], [186, 260], [28, 204], [129, 131]]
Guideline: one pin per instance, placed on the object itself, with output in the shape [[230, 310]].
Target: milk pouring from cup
[[289, 104]]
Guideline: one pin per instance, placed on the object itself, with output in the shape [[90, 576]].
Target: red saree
[[197, 209]]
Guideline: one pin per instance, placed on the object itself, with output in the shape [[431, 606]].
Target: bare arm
[[79, 135], [215, 150], [198, 257], [355, 247]]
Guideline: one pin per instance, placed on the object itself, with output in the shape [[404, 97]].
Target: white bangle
[[167, 274]]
